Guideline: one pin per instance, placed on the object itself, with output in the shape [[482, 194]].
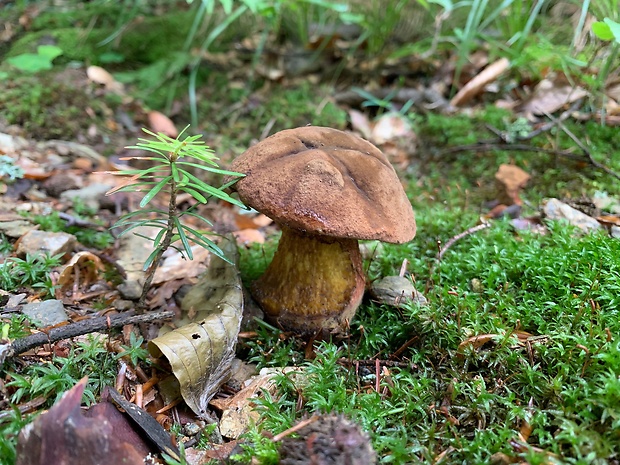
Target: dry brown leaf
[[89, 268], [477, 84], [245, 221], [201, 351], [175, 266], [609, 219], [158, 122], [477, 341], [238, 411], [510, 180], [550, 96]]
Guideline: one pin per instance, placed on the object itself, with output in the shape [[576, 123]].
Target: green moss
[[49, 108]]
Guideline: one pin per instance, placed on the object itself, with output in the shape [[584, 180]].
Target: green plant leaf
[[155, 190], [183, 237], [49, 51], [602, 30], [614, 27], [30, 62], [194, 193]]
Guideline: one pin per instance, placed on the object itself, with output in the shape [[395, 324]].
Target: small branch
[[585, 149], [295, 428], [487, 146], [460, 236], [80, 328]]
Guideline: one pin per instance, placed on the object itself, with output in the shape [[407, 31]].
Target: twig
[[460, 236], [586, 151], [80, 328], [74, 221], [486, 146], [371, 363], [295, 428]]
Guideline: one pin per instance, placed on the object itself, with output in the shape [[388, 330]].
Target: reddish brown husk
[[314, 283]]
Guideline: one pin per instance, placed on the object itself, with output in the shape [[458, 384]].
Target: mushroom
[[326, 189]]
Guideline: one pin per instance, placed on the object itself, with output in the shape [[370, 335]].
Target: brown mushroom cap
[[327, 182]]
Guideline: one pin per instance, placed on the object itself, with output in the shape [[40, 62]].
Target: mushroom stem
[[314, 282]]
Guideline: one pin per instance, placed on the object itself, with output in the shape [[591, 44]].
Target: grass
[[544, 385], [559, 383]]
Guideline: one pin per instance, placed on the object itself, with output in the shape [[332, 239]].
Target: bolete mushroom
[[326, 189]]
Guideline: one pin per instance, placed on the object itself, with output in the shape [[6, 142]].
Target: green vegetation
[[172, 175], [32, 271], [551, 362], [516, 357], [88, 237]]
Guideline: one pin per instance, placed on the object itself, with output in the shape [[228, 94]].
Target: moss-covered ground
[[543, 384]]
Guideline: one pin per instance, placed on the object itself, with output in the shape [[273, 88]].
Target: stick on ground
[[78, 329]]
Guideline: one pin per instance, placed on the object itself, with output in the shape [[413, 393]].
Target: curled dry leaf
[[200, 353], [477, 84], [89, 266]]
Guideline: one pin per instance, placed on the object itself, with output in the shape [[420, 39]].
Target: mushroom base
[[314, 283]]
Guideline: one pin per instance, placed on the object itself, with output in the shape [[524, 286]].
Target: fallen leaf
[[477, 84], [510, 180], [64, 434], [550, 96], [238, 411], [201, 351], [89, 265], [360, 123], [477, 341], [158, 122], [609, 219], [175, 266]]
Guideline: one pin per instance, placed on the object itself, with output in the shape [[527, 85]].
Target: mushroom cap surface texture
[[325, 181]]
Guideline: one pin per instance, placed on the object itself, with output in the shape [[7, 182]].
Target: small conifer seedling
[[169, 174]]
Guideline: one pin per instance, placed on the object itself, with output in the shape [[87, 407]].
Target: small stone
[[46, 313], [123, 305], [397, 291], [556, 210], [15, 228], [131, 290], [45, 242], [615, 232], [191, 429], [89, 195], [59, 183]]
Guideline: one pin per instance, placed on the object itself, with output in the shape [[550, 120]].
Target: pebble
[[46, 313], [42, 242], [557, 210], [396, 291], [90, 195]]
